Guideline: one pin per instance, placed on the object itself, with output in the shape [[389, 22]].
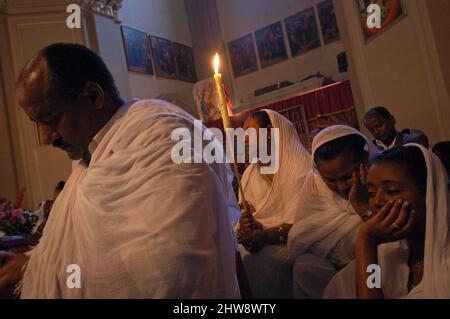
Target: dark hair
[[60, 186], [411, 159], [71, 65], [380, 110], [262, 117], [442, 150], [353, 143]]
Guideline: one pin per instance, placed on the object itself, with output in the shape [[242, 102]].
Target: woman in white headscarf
[[271, 196], [331, 208], [408, 235]]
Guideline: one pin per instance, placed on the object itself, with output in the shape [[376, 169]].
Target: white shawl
[[324, 218], [393, 257], [278, 206], [137, 224]]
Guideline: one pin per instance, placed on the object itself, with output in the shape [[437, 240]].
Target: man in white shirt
[[381, 124], [135, 223]]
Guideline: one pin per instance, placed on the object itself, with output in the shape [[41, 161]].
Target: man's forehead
[[38, 111], [374, 118], [32, 102], [31, 87], [32, 94]]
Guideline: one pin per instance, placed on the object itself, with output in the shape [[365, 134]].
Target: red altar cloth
[[321, 102]]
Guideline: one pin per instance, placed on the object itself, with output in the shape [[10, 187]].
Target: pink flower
[[17, 213], [2, 200], [2, 215]]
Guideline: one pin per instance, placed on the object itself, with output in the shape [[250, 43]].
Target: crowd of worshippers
[[141, 226], [324, 217]]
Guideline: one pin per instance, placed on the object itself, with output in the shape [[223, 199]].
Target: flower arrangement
[[14, 220]]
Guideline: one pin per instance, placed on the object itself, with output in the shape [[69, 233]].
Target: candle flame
[[216, 63]]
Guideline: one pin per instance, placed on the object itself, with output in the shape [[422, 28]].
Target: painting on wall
[[184, 58], [302, 32], [242, 56], [328, 23], [271, 46], [164, 57], [137, 50], [392, 11]]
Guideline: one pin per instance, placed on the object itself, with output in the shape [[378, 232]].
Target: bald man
[[130, 223]]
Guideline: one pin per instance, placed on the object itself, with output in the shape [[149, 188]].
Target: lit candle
[[221, 93], [226, 125]]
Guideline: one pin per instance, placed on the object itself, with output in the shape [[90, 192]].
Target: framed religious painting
[[184, 58], [301, 29], [328, 23], [271, 45], [164, 57], [242, 56], [391, 12], [137, 51]]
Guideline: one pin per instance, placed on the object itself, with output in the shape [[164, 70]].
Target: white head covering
[[393, 257], [324, 218], [334, 132], [436, 276], [294, 165]]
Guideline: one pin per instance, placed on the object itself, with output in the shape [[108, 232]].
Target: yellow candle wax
[[221, 93]]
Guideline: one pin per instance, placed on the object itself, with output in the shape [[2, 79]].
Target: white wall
[[163, 18], [397, 69], [26, 27], [439, 11], [239, 18], [113, 54], [8, 185]]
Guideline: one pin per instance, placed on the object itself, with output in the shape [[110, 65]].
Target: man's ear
[[94, 93]]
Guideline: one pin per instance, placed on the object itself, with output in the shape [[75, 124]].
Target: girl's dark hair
[[262, 117], [411, 159], [353, 143]]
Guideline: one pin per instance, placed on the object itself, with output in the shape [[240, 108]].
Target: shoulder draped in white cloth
[[393, 257], [137, 224], [325, 223], [274, 204]]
